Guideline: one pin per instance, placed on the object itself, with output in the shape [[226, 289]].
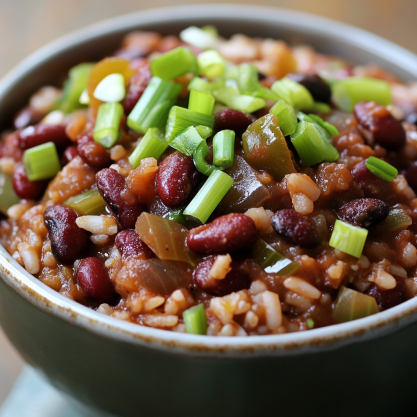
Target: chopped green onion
[[265, 93], [41, 162], [152, 108], [211, 63], [209, 196], [153, 144], [8, 197], [195, 320], [320, 107], [310, 323], [88, 203], [84, 97], [199, 84], [188, 141], [111, 89], [248, 79], [295, 94], [348, 238], [330, 129], [106, 130], [201, 102], [312, 146], [272, 261], [199, 38], [397, 220], [73, 88], [352, 305], [349, 91], [176, 216], [224, 148], [381, 168], [179, 119], [204, 131], [287, 119], [174, 63], [200, 162], [240, 102]]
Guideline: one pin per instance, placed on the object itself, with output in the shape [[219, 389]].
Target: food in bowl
[[223, 187]]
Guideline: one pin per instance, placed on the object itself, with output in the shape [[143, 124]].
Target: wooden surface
[[26, 25]]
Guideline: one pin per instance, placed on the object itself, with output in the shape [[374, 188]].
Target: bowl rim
[[314, 340]]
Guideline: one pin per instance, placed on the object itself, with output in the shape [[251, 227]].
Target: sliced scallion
[[106, 130], [199, 84], [209, 196], [153, 107], [295, 94], [41, 162], [320, 107], [248, 79], [211, 63], [200, 162], [153, 144], [111, 89], [201, 102], [188, 141], [265, 93], [397, 220], [195, 320], [287, 119], [204, 131], [8, 197], [174, 63], [349, 91], [199, 38], [176, 216], [381, 168], [348, 238], [88, 203], [224, 148], [330, 129], [248, 104]]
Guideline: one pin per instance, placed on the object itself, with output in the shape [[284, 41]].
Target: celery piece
[[201, 102], [348, 238], [106, 130], [41, 162], [295, 94], [211, 63], [287, 119], [88, 203], [195, 320], [153, 144], [397, 220], [224, 148]]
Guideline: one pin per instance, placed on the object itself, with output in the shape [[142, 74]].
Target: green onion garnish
[[329, 128], [88, 203], [287, 119], [41, 162], [352, 305], [179, 119], [188, 141], [106, 130], [176, 216], [209, 196], [248, 104], [153, 144], [199, 84], [111, 89], [195, 320], [224, 148], [248, 79], [174, 63], [201, 38], [397, 220], [265, 93], [310, 323], [295, 94], [211, 64], [349, 91], [381, 168], [201, 102], [312, 145], [272, 261], [8, 197], [320, 107], [200, 162], [348, 238], [77, 82], [204, 131], [152, 108]]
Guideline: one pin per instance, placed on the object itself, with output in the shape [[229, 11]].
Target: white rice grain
[[273, 311], [221, 267], [98, 225], [160, 320], [302, 287]]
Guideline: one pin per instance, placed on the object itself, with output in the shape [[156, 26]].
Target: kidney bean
[[380, 126], [237, 279], [364, 212], [92, 153], [137, 86], [227, 233], [112, 187], [69, 154], [176, 178], [370, 183], [129, 243], [93, 278], [68, 241], [318, 88], [295, 228], [42, 133], [388, 298], [410, 174], [26, 117], [232, 119], [32, 190]]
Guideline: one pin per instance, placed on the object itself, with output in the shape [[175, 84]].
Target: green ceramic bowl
[[365, 367]]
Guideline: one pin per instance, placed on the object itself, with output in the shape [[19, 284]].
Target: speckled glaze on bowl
[[110, 367]]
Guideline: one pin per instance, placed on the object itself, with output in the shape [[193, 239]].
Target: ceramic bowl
[[110, 367]]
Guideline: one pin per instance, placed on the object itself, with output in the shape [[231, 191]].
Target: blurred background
[[26, 25]]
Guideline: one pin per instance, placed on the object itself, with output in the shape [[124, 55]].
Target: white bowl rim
[[315, 340]]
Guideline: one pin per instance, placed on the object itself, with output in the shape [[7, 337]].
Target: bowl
[[110, 367]]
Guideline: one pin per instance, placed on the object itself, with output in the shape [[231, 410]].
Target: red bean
[[137, 86], [371, 184], [295, 228], [42, 133], [124, 206], [232, 119], [10, 147], [32, 190], [318, 88], [388, 298], [92, 153], [176, 178], [93, 278], [68, 241], [69, 154], [379, 125], [26, 117], [364, 212], [129, 243], [237, 279], [227, 233]]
